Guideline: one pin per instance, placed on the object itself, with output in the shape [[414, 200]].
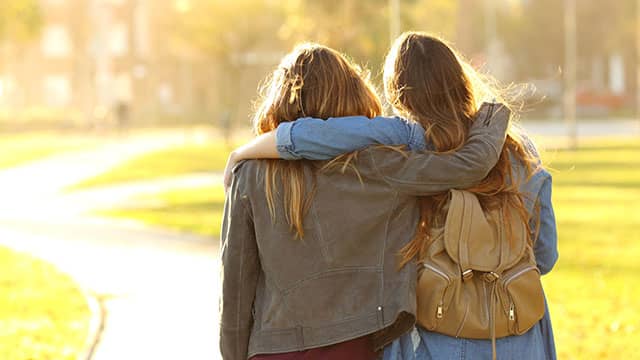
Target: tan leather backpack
[[475, 283]]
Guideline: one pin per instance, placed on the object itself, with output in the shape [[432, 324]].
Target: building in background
[[104, 62]]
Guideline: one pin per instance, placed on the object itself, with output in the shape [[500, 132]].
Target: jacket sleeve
[[317, 139], [546, 244], [240, 271], [427, 173]]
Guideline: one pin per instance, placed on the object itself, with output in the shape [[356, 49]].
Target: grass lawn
[[180, 160], [196, 210], [43, 315], [593, 291], [20, 148]]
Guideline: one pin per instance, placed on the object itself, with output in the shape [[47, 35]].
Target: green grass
[[43, 315], [595, 287], [179, 160], [593, 291], [197, 210], [21, 148]]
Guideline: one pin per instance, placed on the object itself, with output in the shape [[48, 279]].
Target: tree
[[232, 37], [20, 20]]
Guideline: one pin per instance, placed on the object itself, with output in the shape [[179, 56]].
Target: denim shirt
[[318, 139]]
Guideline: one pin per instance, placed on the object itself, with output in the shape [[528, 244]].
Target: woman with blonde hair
[[309, 248], [430, 85]]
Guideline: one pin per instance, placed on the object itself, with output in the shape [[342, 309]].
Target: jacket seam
[[495, 150], [239, 294], [321, 274], [382, 255], [318, 226], [243, 195]]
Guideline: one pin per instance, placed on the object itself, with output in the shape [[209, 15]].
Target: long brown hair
[[427, 81], [311, 81]]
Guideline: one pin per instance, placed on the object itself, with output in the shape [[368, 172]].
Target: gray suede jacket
[[341, 281]]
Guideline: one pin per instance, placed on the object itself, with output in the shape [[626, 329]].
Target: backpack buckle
[[467, 274], [490, 277]]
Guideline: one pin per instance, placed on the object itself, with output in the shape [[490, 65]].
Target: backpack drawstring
[[491, 278], [494, 295]]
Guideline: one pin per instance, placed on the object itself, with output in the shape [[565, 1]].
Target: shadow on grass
[[603, 184], [590, 267], [197, 206], [622, 146], [600, 166]]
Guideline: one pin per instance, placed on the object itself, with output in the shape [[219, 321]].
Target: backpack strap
[[463, 221], [477, 240]]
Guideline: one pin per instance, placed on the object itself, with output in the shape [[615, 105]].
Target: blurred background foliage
[[20, 21], [133, 62]]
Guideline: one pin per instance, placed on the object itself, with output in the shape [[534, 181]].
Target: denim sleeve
[[317, 139], [529, 144], [546, 245]]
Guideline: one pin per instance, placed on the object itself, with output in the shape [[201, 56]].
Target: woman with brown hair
[[429, 84], [309, 248]]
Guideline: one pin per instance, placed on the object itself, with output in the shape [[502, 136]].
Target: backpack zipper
[[512, 308], [508, 280], [437, 271], [440, 308]]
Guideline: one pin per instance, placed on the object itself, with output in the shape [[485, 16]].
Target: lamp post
[[570, 55], [394, 19], [638, 65], [490, 35]]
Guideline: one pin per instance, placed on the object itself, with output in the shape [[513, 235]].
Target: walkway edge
[[96, 325]]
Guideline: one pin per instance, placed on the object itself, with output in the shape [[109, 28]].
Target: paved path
[[586, 128], [554, 134], [158, 287]]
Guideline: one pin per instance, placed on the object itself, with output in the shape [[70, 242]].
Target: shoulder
[[540, 173], [528, 143], [530, 181], [248, 174]]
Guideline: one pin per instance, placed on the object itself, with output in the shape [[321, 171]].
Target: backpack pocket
[[434, 295], [524, 304]]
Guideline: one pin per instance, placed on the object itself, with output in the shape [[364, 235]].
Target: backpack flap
[[478, 241]]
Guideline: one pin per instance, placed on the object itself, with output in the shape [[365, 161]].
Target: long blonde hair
[[427, 81], [311, 81]]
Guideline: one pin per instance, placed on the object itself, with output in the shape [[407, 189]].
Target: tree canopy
[[20, 20]]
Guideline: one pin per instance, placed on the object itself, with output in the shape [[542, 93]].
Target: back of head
[[424, 80], [310, 81], [314, 81], [427, 81]]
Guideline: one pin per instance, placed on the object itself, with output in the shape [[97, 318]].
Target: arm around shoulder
[[318, 139], [426, 173], [261, 147]]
